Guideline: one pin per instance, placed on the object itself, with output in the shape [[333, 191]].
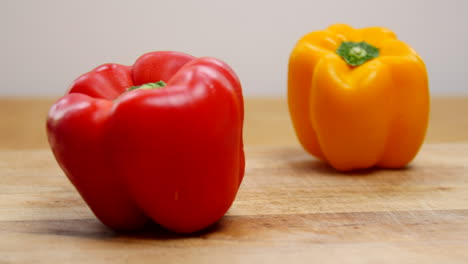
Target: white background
[[46, 44]]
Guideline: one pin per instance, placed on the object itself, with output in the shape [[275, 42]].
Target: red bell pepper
[[172, 154]]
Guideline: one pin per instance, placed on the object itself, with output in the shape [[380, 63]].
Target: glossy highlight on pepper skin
[[173, 155], [372, 115]]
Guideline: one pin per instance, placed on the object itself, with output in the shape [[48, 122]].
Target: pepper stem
[[153, 85], [357, 53]]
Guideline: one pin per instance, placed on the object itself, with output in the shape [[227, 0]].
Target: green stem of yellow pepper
[[357, 53]]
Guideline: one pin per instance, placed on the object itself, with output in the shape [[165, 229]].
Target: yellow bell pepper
[[358, 98]]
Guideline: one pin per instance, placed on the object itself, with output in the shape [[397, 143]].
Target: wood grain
[[290, 208], [267, 122]]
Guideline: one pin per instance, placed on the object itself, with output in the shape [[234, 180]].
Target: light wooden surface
[[22, 122], [290, 208]]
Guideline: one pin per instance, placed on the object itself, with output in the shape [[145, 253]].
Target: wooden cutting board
[[290, 208]]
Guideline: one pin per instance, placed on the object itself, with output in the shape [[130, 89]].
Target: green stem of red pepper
[[153, 85]]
